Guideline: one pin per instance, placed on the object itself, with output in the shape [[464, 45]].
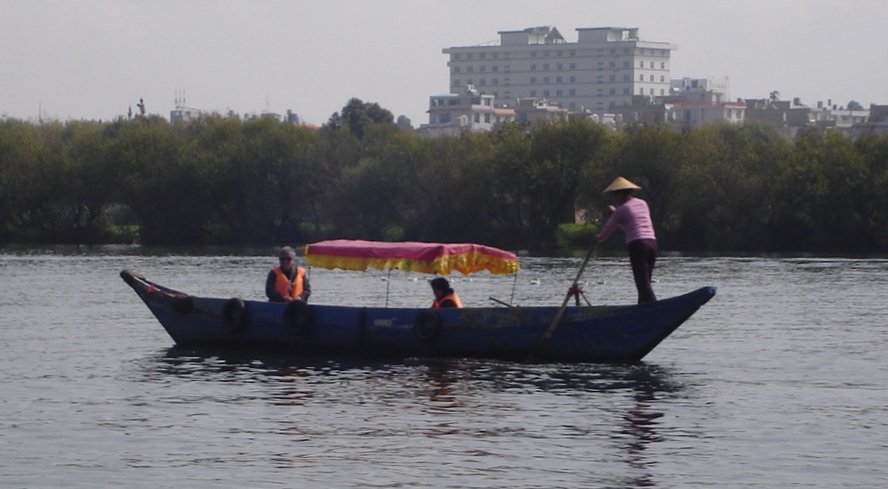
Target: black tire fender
[[234, 314], [297, 317], [427, 325]]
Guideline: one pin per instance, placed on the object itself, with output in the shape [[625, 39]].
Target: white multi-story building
[[603, 69]]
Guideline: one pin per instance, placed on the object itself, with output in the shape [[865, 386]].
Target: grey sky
[[93, 59]]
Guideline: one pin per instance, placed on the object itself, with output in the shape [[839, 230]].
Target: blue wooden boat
[[573, 334]]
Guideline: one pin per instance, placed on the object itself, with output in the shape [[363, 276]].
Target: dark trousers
[[643, 256]]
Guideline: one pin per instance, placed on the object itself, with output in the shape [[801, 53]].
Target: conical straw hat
[[620, 183]]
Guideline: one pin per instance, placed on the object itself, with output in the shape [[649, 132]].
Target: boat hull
[[584, 334]]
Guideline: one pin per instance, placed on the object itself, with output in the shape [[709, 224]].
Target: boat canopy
[[412, 256]]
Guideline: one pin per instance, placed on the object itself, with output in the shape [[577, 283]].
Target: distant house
[[785, 116], [877, 122], [534, 109], [697, 108], [683, 110], [469, 110], [184, 115]]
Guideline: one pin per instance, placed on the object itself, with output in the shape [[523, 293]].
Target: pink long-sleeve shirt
[[633, 218]]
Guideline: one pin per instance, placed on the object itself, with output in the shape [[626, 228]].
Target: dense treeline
[[222, 180]]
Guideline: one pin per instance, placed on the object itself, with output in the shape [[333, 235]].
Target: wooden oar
[[557, 319]]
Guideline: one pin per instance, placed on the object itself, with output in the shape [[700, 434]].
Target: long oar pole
[[557, 319]]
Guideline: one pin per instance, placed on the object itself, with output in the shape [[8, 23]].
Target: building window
[[652, 77], [495, 68], [455, 56], [483, 68], [487, 118], [558, 79], [545, 93], [572, 105], [558, 92], [495, 55], [533, 80], [641, 78], [640, 91], [508, 68], [546, 67], [573, 79], [662, 91], [533, 54], [626, 64], [613, 91], [652, 64], [641, 64], [483, 82], [572, 92], [626, 77], [477, 117], [545, 79], [495, 81], [662, 79], [559, 67], [662, 66], [533, 93], [613, 78], [613, 64], [573, 52], [558, 52], [470, 69], [625, 90], [483, 55], [573, 66], [469, 56], [546, 53], [652, 92], [456, 82], [456, 69], [533, 67]]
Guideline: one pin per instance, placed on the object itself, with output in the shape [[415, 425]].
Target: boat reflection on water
[[614, 407]]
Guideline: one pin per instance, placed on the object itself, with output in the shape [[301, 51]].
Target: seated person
[[444, 295], [287, 282]]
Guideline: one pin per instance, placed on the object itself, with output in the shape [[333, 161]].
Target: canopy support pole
[[514, 284], [388, 284]]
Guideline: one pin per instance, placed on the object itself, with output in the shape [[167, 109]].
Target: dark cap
[[440, 283]]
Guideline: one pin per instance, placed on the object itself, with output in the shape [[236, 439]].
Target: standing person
[[632, 215], [287, 282], [444, 295]]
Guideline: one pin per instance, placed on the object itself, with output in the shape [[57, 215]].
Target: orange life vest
[[283, 285], [450, 297]]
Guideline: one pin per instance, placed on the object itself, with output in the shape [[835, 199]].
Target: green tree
[[561, 155], [358, 116], [652, 157], [158, 178], [727, 177], [820, 183]]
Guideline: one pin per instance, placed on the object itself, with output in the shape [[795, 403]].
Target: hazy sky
[[93, 59]]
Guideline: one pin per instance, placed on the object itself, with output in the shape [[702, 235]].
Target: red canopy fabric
[[439, 258]]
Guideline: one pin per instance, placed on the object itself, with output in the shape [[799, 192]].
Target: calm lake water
[[779, 381]]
